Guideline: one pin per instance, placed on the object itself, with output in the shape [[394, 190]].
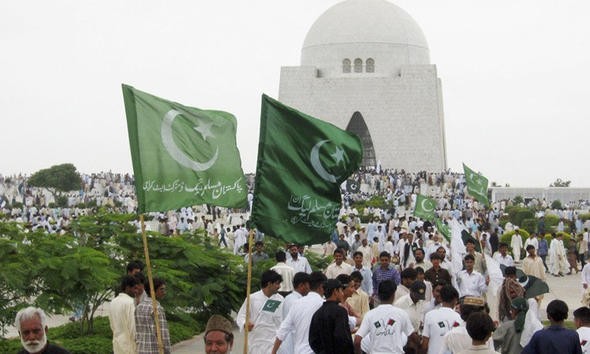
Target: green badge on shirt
[[377, 324], [441, 324], [271, 305]]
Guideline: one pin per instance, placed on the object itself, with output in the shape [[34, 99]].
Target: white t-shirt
[[437, 323], [458, 339], [584, 333], [388, 328]]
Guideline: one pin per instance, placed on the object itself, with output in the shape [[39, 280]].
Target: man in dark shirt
[[555, 338], [436, 272], [31, 323], [329, 332]]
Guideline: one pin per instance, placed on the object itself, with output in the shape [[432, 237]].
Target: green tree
[[556, 204], [16, 273], [57, 179], [201, 278], [560, 183]]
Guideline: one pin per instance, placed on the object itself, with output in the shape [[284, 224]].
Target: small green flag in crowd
[[477, 185], [181, 155], [301, 163], [424, 208], [443, 229]]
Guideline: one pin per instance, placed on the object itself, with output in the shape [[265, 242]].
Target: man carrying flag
[[301, 163]]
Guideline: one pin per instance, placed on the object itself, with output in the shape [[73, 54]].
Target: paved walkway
[[566, 288]]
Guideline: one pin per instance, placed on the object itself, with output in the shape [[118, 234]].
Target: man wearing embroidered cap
[[458, 338], [219, 338]]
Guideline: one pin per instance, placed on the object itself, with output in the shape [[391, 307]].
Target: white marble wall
[[403, 112]]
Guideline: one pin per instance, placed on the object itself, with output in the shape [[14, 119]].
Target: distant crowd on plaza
[[35, 206]]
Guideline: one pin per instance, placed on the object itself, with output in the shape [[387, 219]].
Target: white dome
[[363, 29]]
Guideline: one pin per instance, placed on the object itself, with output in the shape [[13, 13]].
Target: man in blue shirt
[[555, 338]]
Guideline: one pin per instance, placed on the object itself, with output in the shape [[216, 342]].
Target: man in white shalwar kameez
[[516, 245], [557, 257], [266, 314]]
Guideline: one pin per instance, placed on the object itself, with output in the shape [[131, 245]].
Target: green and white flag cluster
[[301, 163], [477, 185], [182, 156]]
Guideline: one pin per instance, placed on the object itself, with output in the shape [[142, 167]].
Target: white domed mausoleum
[[365, 67]]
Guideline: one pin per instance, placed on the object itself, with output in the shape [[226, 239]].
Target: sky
[[514, 75]]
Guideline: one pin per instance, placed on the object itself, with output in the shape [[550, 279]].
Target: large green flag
[[301, 163], [477, 185], [424, 208], [182, 156]]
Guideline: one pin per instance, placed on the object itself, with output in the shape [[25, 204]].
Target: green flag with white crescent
[[424, 208], [301, 163], [182, 156], [477, 185]]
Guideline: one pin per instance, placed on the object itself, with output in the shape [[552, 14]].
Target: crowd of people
[[397, 284], [421, 307]]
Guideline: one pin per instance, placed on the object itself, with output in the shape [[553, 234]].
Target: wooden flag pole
[[246, 328], [152, 290]]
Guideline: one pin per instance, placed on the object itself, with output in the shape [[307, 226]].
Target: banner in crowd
[[443, 229], [182, 155], [477, 185], [425, 207], [301, 163], [353, 186]]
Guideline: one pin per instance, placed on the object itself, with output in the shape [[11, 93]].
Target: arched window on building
[[358, 65], [370, 65], [358, 126], [346, 66]]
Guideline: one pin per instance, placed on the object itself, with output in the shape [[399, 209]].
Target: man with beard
[[31, 323], [420, 261], [299, 264]]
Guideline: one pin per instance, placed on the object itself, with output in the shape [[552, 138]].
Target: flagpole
[[247, 323], [152, 290]]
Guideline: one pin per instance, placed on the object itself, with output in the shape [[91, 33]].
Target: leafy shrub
[[529, 225], [318, 262], [584, 217], [551, 222], [556, 204], [10, 346], [88, 344]]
